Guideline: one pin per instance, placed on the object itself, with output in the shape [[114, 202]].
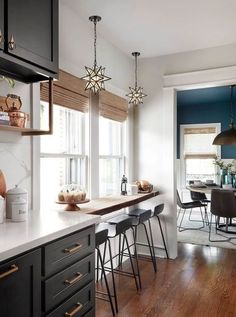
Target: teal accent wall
[[214, 112]]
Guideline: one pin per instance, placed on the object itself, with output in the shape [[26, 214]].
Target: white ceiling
[[161, 27]]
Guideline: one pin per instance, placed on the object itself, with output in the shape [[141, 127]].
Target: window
[[111, 155], [63, 160], [63, 156], [198, 152]]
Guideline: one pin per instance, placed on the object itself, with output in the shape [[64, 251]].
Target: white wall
[[154, 121], [76, 51]]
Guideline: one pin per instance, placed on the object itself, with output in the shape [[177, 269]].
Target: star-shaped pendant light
[[136, 94], [95, 75]]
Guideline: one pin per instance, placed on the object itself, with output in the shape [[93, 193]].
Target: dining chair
[[189, 205], [196, 196], [223, 205]]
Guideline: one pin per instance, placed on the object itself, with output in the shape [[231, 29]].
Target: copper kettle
[[17, 118]]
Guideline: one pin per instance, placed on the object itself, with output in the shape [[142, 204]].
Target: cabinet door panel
[[20, 286], [1, 24], [33, 26]]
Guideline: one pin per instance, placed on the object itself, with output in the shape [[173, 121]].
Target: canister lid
[[16, 191]]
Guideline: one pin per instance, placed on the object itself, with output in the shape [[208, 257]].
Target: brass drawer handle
[[73, 249], [78, 307], [75, 279], [11, 43], [13, 268]]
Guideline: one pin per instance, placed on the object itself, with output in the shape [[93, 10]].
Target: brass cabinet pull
[[73, 249], [13, 268], [78, 307], [75, 279], [11, 43]]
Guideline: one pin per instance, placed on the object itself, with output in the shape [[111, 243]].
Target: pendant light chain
[[95, 76], [95, 43], [231, 108], [136, 71]]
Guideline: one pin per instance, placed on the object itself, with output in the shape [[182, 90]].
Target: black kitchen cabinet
[[56, 279], [20, 286], [30, 48]]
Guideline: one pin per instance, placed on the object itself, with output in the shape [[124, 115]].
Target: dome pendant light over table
[[228, 137], [95, 75], [136, 94]]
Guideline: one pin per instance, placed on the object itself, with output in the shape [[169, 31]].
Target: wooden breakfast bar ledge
[[105, 205]]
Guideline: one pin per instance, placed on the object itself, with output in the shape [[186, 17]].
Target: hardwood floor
[[201, 282]]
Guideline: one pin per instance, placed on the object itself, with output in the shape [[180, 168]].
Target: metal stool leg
[[151, 236], [131, 261], [163, 238], [150, 248], [134, 230], [112, 274], [97, 268], [104, 255], [105, 279]]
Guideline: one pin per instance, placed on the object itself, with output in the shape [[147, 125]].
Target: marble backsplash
[[15, 149]]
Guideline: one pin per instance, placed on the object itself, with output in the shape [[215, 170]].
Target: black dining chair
[[196, 196], [189, 205], [223, 205]]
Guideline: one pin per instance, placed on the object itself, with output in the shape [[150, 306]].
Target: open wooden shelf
[[32, 131], [23, 131]]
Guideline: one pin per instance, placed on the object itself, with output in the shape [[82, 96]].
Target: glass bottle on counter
[[123, 187]]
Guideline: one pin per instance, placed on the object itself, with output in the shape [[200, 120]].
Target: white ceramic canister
[[13, 195], [132, 189], [19, 210]]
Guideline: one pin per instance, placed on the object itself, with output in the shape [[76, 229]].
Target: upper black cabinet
[[30, 39]]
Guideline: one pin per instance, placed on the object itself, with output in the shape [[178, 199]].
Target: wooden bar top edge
[[105, 205]]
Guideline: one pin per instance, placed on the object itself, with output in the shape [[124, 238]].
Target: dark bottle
[[123, 187]]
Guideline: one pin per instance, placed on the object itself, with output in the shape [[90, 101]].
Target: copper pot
[[18, 119]]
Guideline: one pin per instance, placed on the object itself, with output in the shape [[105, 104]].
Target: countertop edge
[[32, 244]]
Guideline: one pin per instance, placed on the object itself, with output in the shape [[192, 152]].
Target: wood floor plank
[[201, 282]]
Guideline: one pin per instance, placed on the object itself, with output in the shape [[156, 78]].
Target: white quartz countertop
[[40, 228]]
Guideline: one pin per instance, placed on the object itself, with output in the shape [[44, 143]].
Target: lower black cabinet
[[67, 290], [20, 286], [78, 305]]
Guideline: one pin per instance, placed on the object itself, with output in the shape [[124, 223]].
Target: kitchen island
[[47, 263]]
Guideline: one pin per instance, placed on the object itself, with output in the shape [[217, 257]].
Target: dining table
[[206, 189]]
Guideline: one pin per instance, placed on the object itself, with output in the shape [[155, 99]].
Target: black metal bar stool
[[101, 237], [118, 226], [157, 211], [140, 217]]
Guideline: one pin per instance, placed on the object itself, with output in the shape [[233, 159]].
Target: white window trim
[[123, 156], [181, 154]]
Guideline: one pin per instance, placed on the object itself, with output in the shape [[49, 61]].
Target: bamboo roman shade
[[198, 143], [68, 92], [113, 107]]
